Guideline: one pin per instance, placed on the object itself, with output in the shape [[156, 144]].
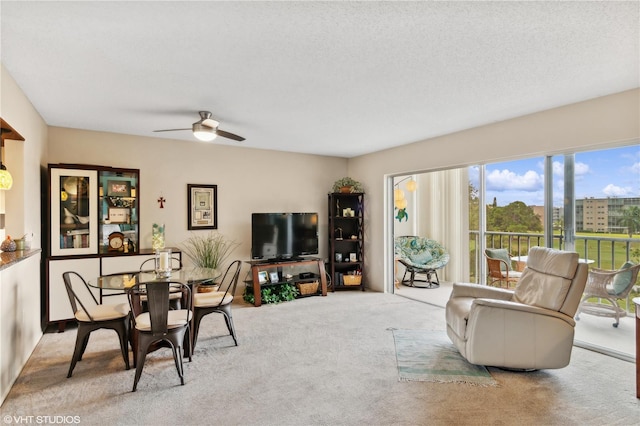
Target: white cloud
[[579, 169], [635, 168], [504, 180], [612, 190]]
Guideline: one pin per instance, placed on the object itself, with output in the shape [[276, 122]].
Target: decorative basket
[[208, 288], [307, 288], [352, 279]]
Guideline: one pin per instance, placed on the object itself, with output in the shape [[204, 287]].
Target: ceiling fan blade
[[229, 135], [170, 130]]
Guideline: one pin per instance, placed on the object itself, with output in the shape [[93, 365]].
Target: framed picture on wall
[[119, 188], [119, 214], [202, 203], [74, 213]]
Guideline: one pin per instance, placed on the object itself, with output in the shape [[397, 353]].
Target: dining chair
[[92, 316], [175, 295], [217, 301], [160, 325], [150, 266]]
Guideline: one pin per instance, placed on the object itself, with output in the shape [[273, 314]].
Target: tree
[[515, 217], [474, 208], [630, 219]]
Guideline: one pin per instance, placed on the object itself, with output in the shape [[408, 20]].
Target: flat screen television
[[283, 235]]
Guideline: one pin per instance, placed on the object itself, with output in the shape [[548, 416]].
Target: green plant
[[273, 294], [268, 296], [288, 292], [347, 182], [208, 251], [248, 296]]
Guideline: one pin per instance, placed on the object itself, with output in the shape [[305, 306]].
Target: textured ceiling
[[331, 78]]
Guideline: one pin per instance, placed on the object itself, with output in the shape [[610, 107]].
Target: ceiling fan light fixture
[[204, 133]]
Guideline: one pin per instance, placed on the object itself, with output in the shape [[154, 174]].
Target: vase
[[346, 189], [157, 236], [8, 245]]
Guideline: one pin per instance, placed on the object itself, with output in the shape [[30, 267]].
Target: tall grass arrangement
[[208, 251]]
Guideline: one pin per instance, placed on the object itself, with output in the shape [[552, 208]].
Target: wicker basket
[[307, 288], [208, 288], [352, 279]]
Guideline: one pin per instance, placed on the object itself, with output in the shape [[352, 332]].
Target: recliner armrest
[[480, 291], [515, 306]]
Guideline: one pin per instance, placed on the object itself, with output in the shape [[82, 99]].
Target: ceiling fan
[[206, 129]]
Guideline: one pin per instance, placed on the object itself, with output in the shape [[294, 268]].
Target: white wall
[[20, 318], [248, 180], [608, 121]]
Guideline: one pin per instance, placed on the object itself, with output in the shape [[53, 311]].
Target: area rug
[[429, 356]]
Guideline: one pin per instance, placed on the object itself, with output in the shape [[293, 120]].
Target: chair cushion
[[546, 280], [103, 312], [501, 254], [421, 258], [214, 298], [176, 318], [512, 274], [621, 279]]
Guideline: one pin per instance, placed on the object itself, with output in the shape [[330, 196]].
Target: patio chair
[[500, 267], [608, 286], [420, 256]]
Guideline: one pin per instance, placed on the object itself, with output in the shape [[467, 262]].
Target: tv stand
[[258, 266]]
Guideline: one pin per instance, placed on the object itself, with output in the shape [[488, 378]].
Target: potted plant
[[346, 185], [208, 251]]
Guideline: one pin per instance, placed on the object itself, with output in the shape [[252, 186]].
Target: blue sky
[[599, 174]]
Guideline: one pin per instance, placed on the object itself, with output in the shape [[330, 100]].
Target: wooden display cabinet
[[346, 240], [86, 204]]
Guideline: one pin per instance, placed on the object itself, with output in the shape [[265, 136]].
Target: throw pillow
[[421, 258], [501, 254], [621, 279]]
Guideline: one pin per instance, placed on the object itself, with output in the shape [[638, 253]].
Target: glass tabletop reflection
[[126, 280]]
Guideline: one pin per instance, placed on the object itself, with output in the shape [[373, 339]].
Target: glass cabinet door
[[119, 211], [74, 219]]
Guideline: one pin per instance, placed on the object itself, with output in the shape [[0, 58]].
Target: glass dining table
[[125, 281]]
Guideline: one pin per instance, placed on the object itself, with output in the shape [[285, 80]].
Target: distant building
[[602, 214]]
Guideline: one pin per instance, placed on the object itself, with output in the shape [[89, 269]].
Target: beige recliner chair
[[528, 328]]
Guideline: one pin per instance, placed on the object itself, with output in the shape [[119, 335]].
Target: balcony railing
[[606, 252]]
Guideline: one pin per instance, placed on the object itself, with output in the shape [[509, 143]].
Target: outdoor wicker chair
[[608, 286]]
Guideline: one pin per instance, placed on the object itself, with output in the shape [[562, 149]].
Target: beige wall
[[608, 121], [248, 180], [20, 319]]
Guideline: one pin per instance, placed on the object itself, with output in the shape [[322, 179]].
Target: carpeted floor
[[315, 361]]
